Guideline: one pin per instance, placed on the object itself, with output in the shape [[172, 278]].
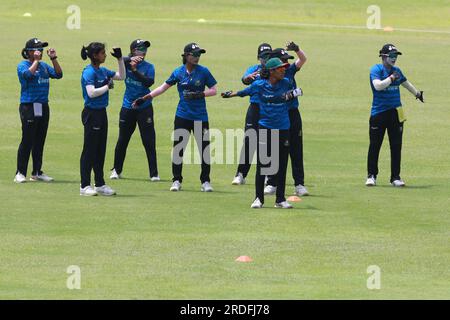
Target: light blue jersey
[[389, 98], [35, 87], [98, 78], [193, 82]]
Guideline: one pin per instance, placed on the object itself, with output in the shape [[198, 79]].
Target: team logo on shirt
[[198, 83], [43, 80]]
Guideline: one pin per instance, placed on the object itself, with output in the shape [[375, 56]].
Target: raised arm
[[292, 46], [121, 74]]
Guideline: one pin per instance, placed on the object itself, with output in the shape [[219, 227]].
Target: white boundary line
[[278, 24]]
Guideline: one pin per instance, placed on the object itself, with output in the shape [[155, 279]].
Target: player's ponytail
[[24, 53], [92, 49], [184, 59], [84, 53]]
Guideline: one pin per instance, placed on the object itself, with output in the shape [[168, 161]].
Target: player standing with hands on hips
[[191, 115], [34, 75], [387, 113], [96, 82], [140, 75]]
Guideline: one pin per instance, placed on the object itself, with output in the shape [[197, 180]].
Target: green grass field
[[149, 243]]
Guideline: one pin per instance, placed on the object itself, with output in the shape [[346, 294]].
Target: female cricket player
[[191, 115], [274, 94], [34, 75], [251, 119], [96, 82], [140, 76], [387, 113], [295, 131]]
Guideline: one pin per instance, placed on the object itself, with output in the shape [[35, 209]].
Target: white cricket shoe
[[270, 189], [238, 180], [105, 190], [155, 179], [256, 204], [87, 191], [398, 183], [41, 177], [371, 181], [176, 186], [114, 175], [206, 187], [283, 205], [20, 178], [300, 190]]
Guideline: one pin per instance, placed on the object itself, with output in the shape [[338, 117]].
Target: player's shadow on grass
[[146, 180], [314, 195], [65, 182], [430, 186]]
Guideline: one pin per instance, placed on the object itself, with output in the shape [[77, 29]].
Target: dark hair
[[92, 49], [184, 58], [25, 53]]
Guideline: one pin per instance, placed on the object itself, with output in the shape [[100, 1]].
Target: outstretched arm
[[158, 91], [416, 93]]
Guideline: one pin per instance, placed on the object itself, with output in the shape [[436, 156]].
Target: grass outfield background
[[150, 243]]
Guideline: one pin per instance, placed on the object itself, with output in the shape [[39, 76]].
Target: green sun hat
[[275, 63]]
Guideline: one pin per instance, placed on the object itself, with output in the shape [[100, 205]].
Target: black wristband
[[54, 58]]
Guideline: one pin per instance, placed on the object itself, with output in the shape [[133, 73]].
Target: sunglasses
[[391, 55], [196, 54], [35, 49], [142, 49]]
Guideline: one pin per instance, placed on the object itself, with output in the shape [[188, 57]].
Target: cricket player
[[34, 77], [194, 83], [96, 81], [295, 131], [274, 94], [387, 113], [140, 76], [251, 119]]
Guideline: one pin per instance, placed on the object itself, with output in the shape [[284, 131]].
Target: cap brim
[[287, 56], [284, 65], [386, 54], [147, 44], [44, 44], [200, 50], [263, 54]]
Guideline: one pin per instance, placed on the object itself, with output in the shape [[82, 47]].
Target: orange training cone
[[244, 259], [294, 199]]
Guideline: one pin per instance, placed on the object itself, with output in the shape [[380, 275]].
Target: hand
[[419, 96], [111, 84], [51, 53], [292, 46], [190, 95], [291, 94], [252, 76], [108, 82], [395, 76], [117, 53], [134, 61], [37, 55], [264, 73], [226, 94], [138, 102]]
